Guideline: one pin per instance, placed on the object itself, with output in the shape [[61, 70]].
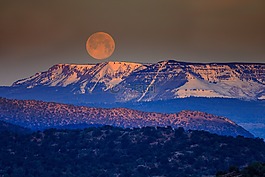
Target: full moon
[[100, 45]]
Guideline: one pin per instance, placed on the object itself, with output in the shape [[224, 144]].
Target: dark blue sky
[[37, 34]]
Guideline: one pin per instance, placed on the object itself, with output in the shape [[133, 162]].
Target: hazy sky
[[35, 35]]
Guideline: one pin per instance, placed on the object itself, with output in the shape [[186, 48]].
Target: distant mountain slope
[[4, 126], [111, 151], [39, 115], [249, 114], [125, 81]]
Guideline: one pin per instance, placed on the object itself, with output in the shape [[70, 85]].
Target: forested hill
[[109, 151], [42, 115]]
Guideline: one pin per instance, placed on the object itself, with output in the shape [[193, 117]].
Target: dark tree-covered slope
[[139, 152], [256, 169]]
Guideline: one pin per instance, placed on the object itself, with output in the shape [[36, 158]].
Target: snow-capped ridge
[[67, 74], [167, 79]]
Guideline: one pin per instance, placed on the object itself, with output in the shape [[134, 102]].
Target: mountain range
[[43, 115], [234, 90], [126, 81]]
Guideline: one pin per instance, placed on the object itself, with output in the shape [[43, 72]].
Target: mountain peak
[[167, 79], [85, 77]]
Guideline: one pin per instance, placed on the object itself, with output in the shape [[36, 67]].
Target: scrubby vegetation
[[109, 151], [256, 169]]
